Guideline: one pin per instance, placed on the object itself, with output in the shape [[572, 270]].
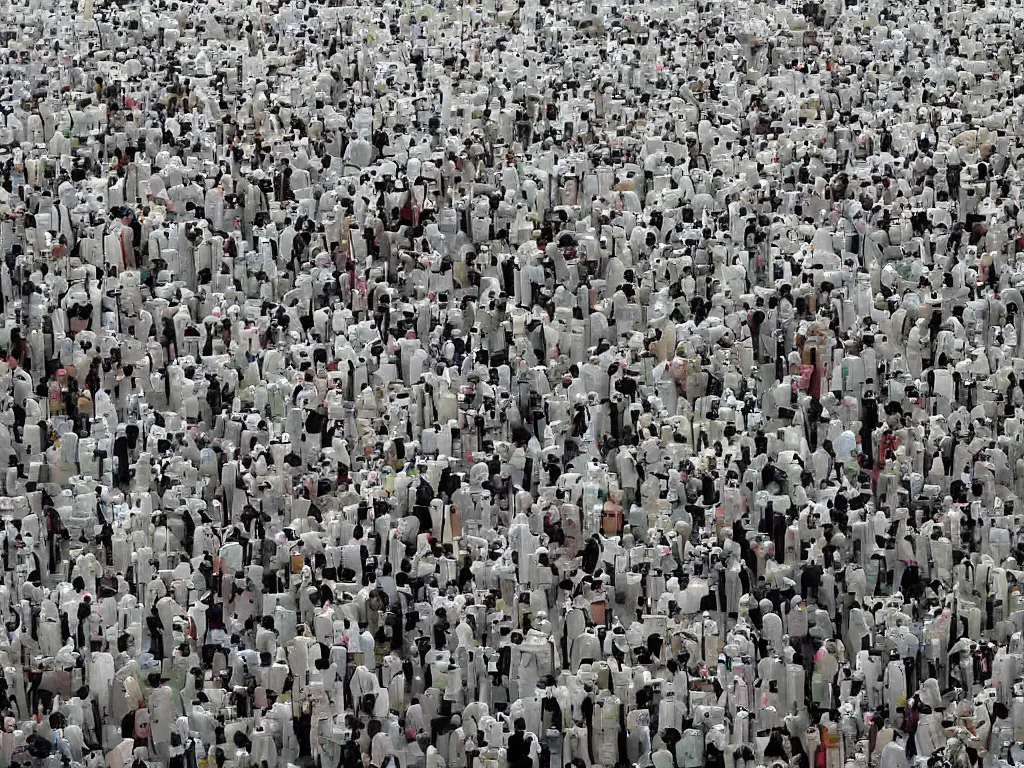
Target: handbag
[[142, 724], [803, 382]]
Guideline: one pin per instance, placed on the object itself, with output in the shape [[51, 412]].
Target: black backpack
[[39, 747]]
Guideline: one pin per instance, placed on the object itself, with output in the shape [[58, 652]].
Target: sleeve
[[62, 745]]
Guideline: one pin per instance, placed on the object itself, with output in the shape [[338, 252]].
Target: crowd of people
[[491, 384]]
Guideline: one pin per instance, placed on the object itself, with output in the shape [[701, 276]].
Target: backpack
[[39, 747]]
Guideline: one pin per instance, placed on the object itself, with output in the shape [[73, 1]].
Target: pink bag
[[142, 723], [803, 383]]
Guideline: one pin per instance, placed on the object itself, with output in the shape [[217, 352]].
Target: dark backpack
[[39, 747]]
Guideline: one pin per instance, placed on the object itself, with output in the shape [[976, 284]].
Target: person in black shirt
[[519, 744]]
